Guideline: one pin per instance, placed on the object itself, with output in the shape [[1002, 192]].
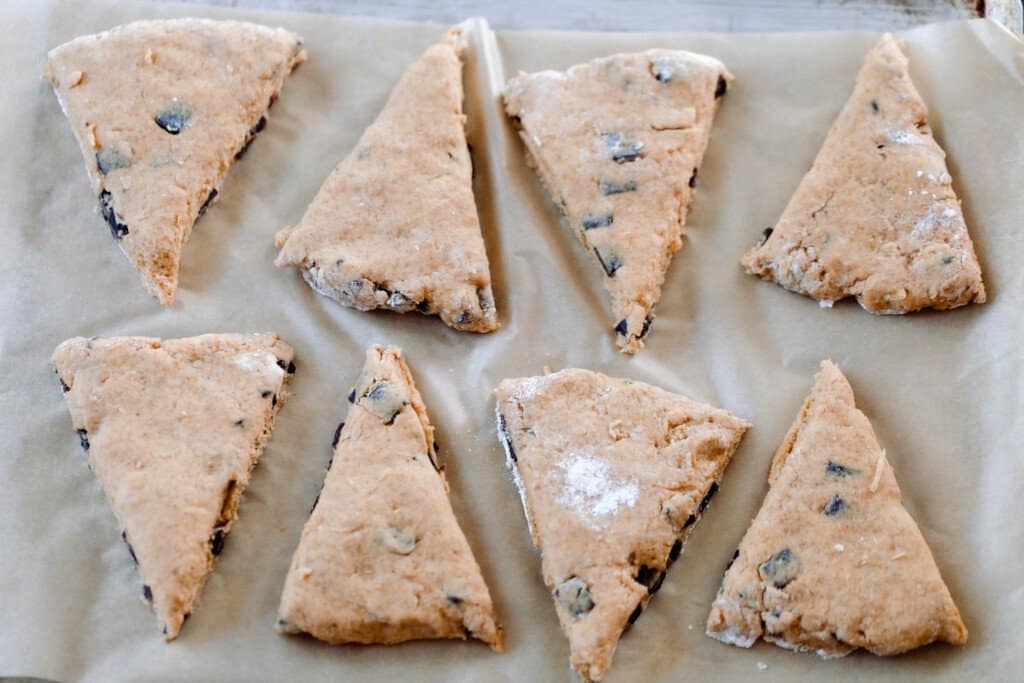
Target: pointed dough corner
[[455, 38]]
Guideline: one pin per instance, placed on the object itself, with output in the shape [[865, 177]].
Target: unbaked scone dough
[[613, 476], [172, 430], [618, 142], [876, 217], [161, 109], [833, 562], [394, 226], [382, 559]]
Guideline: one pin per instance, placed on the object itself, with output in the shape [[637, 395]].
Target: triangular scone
[[876, 217], [613, 475], [833, 562], [618, 142], [382, 559], [394, 226], [161, 109], [172, 430]]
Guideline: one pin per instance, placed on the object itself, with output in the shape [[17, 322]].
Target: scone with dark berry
[[395, 225], [876, 217], [161, 110], [172, 430], [613, 475], [833, 562], [618, 142], [382, 558]]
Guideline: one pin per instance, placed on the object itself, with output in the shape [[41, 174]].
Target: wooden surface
[[666, 15]]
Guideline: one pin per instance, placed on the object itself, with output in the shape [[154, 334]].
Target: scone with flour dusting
[[618, 142], [613, 475], [876, 217], [172, 430], [833, 562], [395, 225], [161, 110], [382, 558]]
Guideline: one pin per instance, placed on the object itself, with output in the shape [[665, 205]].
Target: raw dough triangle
[[833, 562], [618, 142], [382, 558], [161, 109], [613, 475], [172, 430], [394, 226], [876, 217]]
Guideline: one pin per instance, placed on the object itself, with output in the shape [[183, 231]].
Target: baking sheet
[[943, 390]]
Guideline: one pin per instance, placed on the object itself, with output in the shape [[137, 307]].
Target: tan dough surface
[[876, 217], [618, 142], [211, 81], [172, 430], [382, 558], [833, 562], [613, 475], [395, 226]]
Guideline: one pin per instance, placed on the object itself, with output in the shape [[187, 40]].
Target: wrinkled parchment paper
[[943, 390]]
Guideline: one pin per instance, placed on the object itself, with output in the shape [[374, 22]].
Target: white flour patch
[[902, 136], [936, 216], [593, 491], [664, 68], [511, 464], [733, 636], [315, 279], [257, 361], [528, 387], [681, 60]]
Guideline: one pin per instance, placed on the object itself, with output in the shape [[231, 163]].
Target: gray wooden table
[[667, 15]]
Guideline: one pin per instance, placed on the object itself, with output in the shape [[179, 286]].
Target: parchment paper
[[943, 390]]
